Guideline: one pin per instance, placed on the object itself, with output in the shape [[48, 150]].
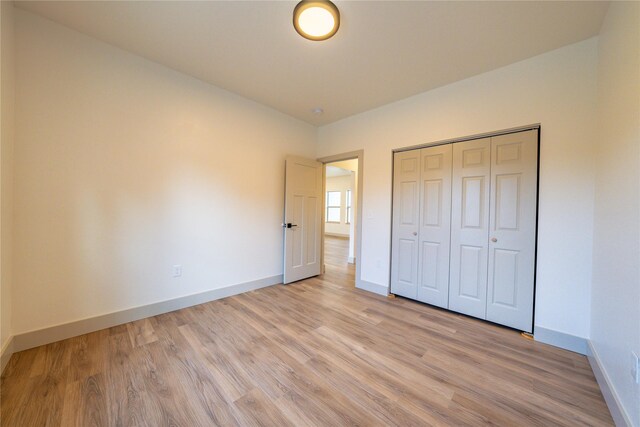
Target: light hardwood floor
[[336, 252], [315, 353]]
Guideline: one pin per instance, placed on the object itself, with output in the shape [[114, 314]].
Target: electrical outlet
[[177, 270], [635, 367]]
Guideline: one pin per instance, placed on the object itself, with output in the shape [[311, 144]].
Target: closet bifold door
[[514, 171], [404, 246], [435, 225], [470, 227]]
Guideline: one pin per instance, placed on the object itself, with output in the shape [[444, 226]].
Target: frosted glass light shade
[[316, 20]]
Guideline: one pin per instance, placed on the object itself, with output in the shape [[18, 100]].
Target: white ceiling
[[333, 171], [348, 165], [383, 52]]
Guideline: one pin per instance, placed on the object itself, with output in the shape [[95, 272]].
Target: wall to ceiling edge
[[124, 168], [107, 140], [558, 90], [92, 119]]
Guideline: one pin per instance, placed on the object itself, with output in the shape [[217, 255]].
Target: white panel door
[[404, 246], [435, 225], [514, 170], [303, 218], [470, 227]]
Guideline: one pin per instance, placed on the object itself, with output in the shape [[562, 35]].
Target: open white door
[[302, 219]]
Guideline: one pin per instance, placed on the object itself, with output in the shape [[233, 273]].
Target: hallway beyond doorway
[[337, 269]]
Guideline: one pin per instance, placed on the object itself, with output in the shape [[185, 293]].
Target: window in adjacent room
[[348, 207], [333, 206]]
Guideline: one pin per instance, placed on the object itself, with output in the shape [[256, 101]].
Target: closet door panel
[[514, 160], [470, 227], [435, 225], [406, 217]]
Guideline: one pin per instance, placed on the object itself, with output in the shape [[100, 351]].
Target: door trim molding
[[38, 337], [468, 137], [344, 156], [359, 154]]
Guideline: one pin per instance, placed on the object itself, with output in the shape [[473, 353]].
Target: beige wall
[[615, 324], [6, 165], [556, 89], [124, 168]]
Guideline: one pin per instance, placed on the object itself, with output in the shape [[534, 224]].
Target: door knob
[[493, 239], [289, 225], [415, 233]]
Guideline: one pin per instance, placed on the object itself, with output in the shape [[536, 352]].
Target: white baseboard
[[5, 354], [618, 413], [373, 287], [44, 336], [40, 337], [560, 339]]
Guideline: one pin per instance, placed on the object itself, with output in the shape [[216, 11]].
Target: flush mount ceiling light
[[316, 20]]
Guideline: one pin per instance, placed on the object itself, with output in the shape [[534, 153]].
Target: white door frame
[[358, 247]]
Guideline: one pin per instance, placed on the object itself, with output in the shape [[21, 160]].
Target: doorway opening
[[341, 221]]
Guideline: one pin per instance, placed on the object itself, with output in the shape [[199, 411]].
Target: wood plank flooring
[[315, 353], [336, 252]]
